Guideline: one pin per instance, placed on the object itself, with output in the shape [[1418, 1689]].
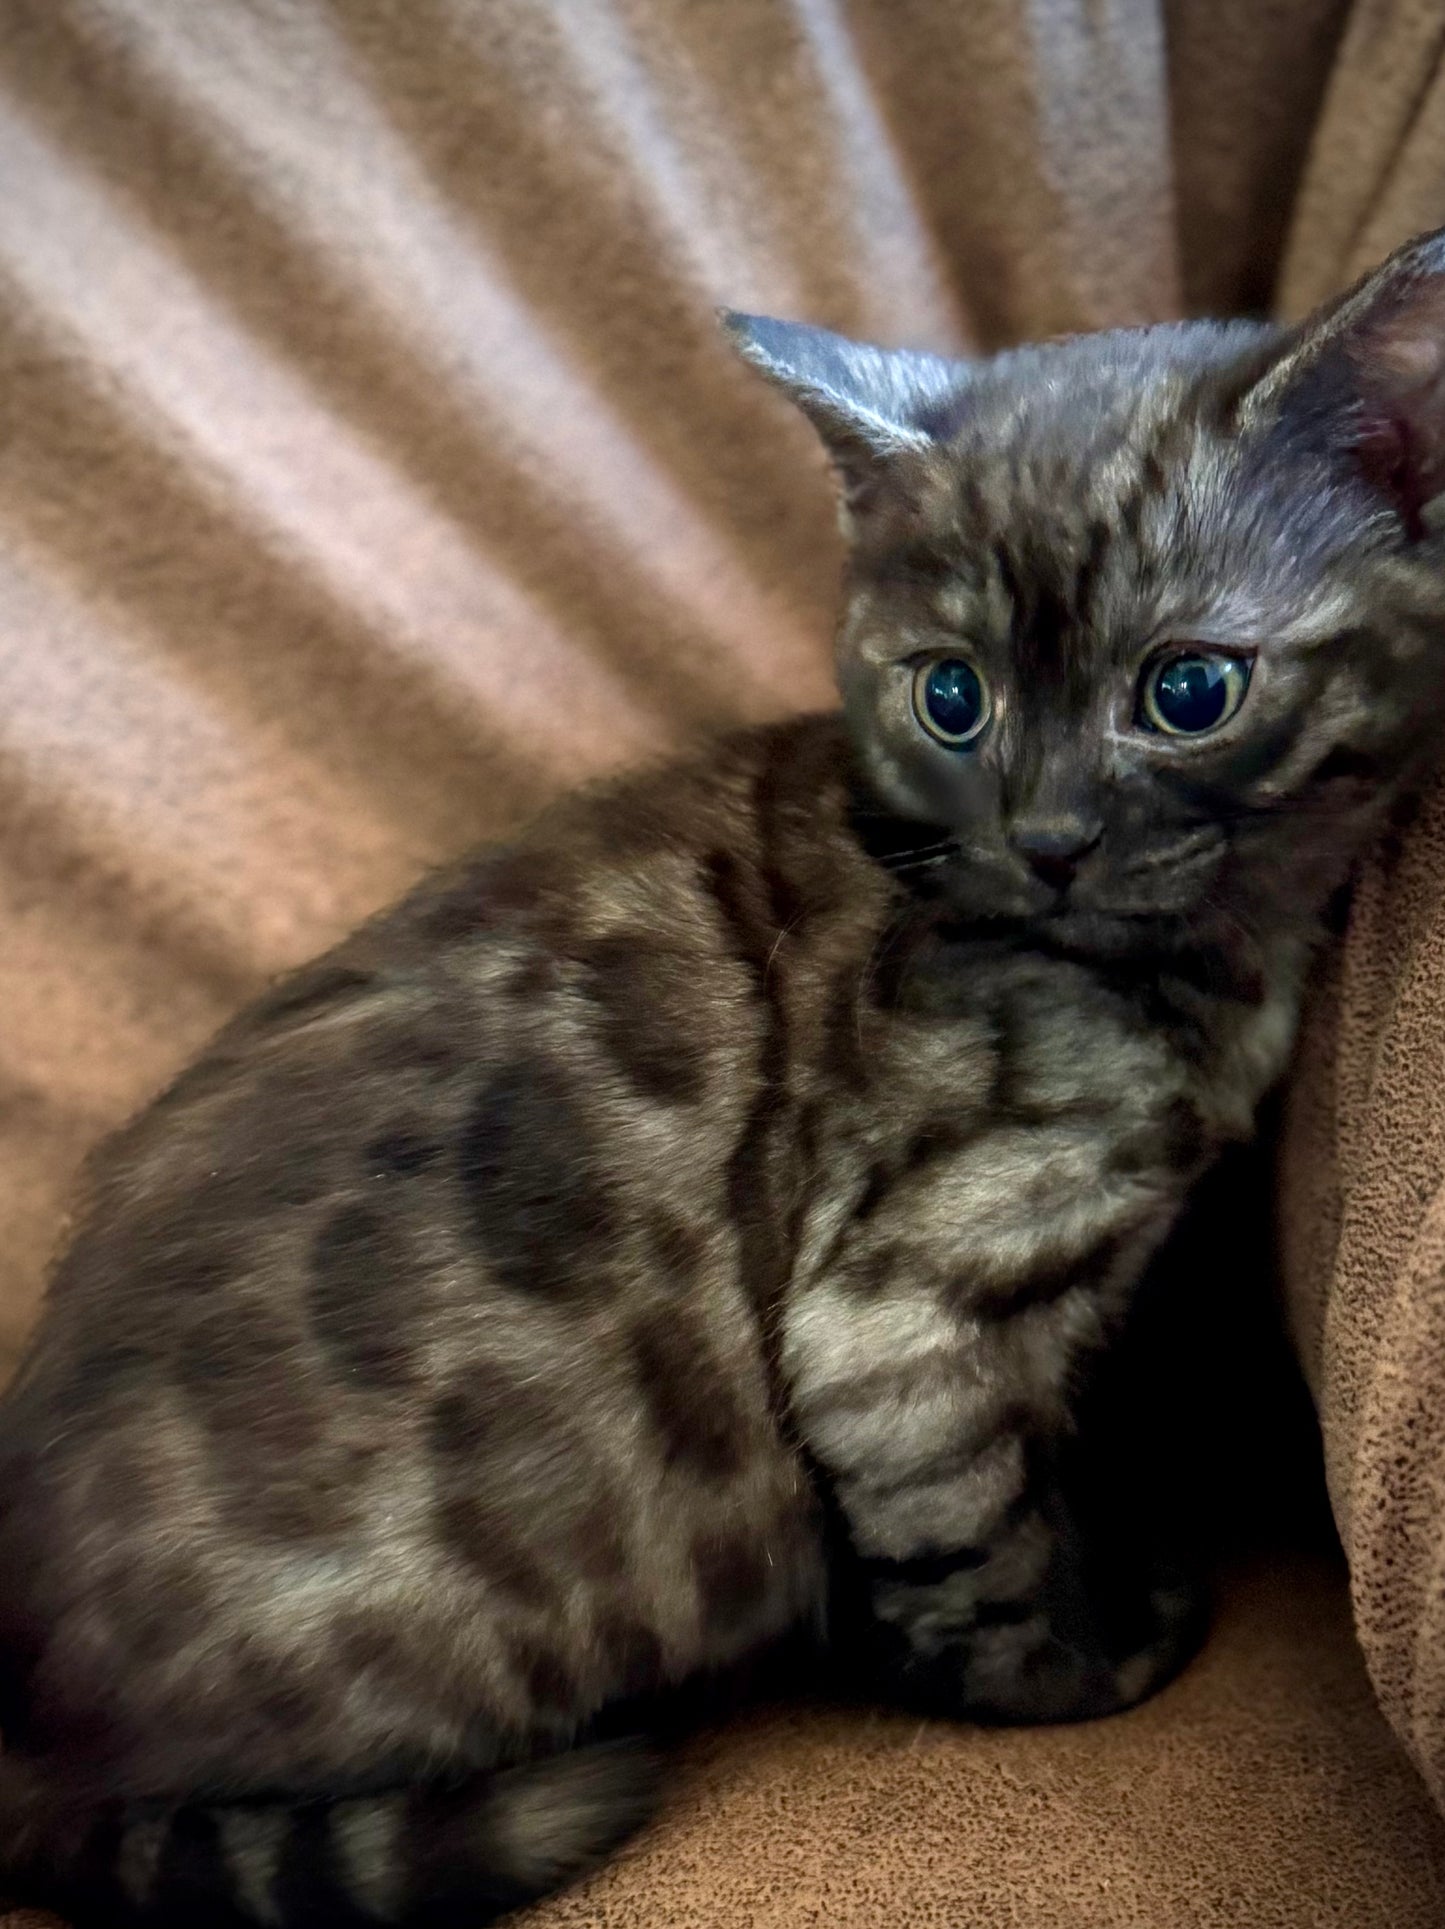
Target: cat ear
[[1368, 372], [871, 406]]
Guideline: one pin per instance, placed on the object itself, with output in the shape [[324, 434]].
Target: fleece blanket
[[370, 469]]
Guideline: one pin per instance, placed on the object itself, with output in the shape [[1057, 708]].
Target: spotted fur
[[695, 1221]]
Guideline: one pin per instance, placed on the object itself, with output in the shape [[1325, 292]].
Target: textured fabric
[[370, 468], [1363, 1204]]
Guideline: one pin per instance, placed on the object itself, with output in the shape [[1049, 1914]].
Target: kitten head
[[1140, 626]]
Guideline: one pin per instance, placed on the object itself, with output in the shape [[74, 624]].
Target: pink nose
[[1054, 851]]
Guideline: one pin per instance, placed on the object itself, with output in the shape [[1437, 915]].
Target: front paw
[[1033, 1671], [1036, 1659]]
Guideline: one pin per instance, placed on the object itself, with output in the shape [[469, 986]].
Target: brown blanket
[[370, 468]]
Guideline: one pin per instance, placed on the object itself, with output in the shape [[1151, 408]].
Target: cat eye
[[1190, 692], [951, 701]]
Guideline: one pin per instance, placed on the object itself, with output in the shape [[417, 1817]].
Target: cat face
[[1141, 624]]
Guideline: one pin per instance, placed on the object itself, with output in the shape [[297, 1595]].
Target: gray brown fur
[[504, 1317]]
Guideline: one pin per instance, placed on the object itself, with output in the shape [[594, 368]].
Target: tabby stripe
[[1041, 1285], [955, 1461]]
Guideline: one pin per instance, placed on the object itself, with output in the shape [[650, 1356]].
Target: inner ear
[[1398, 368], [1368, 373]]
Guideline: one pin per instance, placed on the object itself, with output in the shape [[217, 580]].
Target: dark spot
[[551, 1684], [1096, 549], [178, 1611], [483, 1534], [311, 1883], [505, 892], [255, 1680], [456, 908], [93, 1868], [368, 1642], [482, 1409], [523, 885], [1154, 475], [109, 1373], [457, 1426], [169, 1254], [376, 1644], [631, 1655], [900, 971], [732, 1581], [198, 1264], [934, 1142], [540, 1212], [1007, 1035], [264, 1429], [924, 1570], [803, 1158], [1343, 764], [233, 1355], [653, 1023], [693, 1410], [428, 1051], [358, 1297], [400, 1154], [191, 1870], [875, 1190], [595, 1543], [536, 976], [764, 1259], [1177, 1141], [746, 922], [844, 1056], [128, 1493], [869, 1273], [676, 1249], [290, 1508], [758, 904]]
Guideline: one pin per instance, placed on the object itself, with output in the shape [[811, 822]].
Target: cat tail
[[419, 1858]]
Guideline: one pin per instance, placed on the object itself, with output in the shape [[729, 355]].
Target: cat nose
[[1055, 849]]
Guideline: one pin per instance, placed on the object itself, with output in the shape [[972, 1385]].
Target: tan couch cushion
[[1363, 1212]]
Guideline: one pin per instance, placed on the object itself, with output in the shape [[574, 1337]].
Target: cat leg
[[984, 1570]]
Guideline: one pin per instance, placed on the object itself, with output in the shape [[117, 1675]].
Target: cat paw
[[1038, 1660], [1034, 1670]]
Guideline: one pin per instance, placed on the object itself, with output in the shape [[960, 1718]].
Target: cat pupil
[[951, 698]]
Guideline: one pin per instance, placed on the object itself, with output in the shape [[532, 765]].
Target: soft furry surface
[[371, 469]]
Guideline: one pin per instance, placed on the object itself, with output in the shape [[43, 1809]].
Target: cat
[[694, 1221]]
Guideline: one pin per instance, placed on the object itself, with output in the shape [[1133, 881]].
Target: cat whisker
[[900, 860], [909, 865], [1200, 843], [777, 945]]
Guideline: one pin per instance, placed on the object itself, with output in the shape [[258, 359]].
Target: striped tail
[[422, 1858]]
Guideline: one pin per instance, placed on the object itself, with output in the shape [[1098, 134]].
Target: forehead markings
[[1032, 539]]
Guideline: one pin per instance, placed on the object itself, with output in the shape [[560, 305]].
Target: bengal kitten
[[693, 1220]]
